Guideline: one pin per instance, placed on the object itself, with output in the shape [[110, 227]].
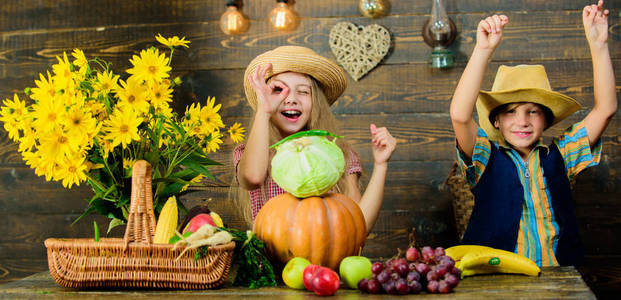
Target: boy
[[522, 193]]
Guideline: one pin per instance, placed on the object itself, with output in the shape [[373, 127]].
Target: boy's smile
[[522, 126]]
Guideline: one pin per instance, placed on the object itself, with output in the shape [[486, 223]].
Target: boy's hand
[[595, 20], [383, 144], [269, 96], [489, 32]]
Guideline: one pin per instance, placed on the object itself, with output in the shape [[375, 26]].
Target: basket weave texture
[[463, 199], [135, 261]]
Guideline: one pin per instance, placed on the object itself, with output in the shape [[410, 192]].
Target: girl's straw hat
[[522, 83], [303, 60]]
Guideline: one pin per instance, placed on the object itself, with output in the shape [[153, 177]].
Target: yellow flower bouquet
[[84, 124]]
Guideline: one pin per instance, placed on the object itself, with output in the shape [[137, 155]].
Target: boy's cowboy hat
[[522, 83], [303, 60]]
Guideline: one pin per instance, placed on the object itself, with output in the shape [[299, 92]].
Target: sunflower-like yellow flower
[[63, 74], [122, 127], [46, 89], [71, 171], [105, 146], [237, 132], [209, 118], [105, 83], [46, 114], [213, 142], [57, 144], [190, 119], [79, 124], [80, 61], [128, 163], [97, 109], [173, 41], [150, 65], [160, 94], [12, 114], [194, 180], [133, 94], [15, 108], [33, 159], [28, 141]]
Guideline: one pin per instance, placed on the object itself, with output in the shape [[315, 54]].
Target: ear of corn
[[167, 223]]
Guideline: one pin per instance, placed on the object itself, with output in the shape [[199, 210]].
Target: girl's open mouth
[[291, 115]]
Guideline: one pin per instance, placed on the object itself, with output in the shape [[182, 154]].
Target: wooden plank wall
[[403, 93]]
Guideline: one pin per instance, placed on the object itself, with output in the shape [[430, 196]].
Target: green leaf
[[96, 231], [179, 129], [185, 174], [171, 179], [197, 167], [202, 159], [175, 238], [170, 190], [106, 208], [114, 223]]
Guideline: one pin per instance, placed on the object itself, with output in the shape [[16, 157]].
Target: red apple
[[198, 221], [308, 274], [325, 282]]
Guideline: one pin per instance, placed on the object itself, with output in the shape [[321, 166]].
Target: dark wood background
[[402, 93]]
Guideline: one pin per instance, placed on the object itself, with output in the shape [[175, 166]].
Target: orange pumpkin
[[323, 229]]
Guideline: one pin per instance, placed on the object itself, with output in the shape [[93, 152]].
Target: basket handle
[[141, 221]]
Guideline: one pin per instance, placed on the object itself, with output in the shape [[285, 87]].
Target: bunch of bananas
[[473, 260]]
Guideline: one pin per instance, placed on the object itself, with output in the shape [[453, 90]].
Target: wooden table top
[[553, 283]]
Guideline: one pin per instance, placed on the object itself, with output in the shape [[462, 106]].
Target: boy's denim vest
[[495, 219]]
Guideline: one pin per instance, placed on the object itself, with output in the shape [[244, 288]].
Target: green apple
[[293, 271], [353, 269]]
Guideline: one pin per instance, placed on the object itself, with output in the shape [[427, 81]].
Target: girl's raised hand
[[595, 20], [269, 96], [383, 144], [489, 31]]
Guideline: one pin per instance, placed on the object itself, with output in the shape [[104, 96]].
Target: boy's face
[[294, 112], [522, 126]]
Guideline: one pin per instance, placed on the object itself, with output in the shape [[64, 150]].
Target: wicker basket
[[135, 261]]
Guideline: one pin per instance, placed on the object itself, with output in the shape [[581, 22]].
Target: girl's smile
[[294, 111]]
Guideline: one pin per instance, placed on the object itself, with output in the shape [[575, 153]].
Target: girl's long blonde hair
[[321, 118]]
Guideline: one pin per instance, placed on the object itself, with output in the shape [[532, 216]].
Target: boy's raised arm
[[595, 20], [489, 34]]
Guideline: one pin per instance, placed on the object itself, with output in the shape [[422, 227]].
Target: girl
[[291, 89], [521, 186]]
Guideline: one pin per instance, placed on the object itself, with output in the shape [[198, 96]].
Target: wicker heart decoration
[[359, 49]]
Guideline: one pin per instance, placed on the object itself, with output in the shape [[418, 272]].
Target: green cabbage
[[308, 166]]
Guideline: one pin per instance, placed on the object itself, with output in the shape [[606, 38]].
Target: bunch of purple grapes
[[429, 270]]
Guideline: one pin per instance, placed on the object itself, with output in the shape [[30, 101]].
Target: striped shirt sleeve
[[576, 151], [473, 169]]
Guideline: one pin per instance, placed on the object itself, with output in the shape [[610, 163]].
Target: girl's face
[[294, 112], [522, 126]]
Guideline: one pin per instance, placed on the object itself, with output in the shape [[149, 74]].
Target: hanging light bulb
[[374, 8], [232, 20], [283, 18], [439, 32]]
